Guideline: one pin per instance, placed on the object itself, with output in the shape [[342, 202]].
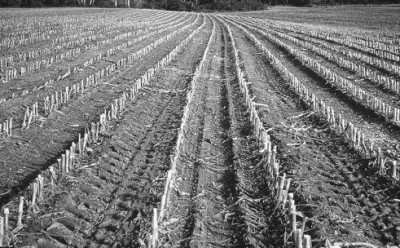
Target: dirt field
[[261, 129], [369, 17]]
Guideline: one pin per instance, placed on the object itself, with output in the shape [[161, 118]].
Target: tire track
[[212, 205], [253, 205], [197, 197], [212, 194]]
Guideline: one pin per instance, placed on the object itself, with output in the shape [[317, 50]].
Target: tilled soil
[[221, 196], [109, 200], [373, 125], [38, 147], [343, 197]]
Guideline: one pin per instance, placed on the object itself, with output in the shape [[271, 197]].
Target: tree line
[[187, 5]]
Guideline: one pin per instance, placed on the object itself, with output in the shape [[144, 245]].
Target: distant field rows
[[148, 128]]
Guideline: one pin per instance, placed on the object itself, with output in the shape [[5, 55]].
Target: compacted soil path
[[216, 202]]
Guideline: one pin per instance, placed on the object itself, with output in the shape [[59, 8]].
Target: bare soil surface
[[38, 147], [38, 78], [373, 125], [109, 201], [335, 187], [221, 196], [370, 17]]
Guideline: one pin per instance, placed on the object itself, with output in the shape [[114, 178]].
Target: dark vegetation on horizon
[[187, 5]]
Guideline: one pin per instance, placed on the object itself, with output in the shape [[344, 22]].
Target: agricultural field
[[149, 128], [371, 17]]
